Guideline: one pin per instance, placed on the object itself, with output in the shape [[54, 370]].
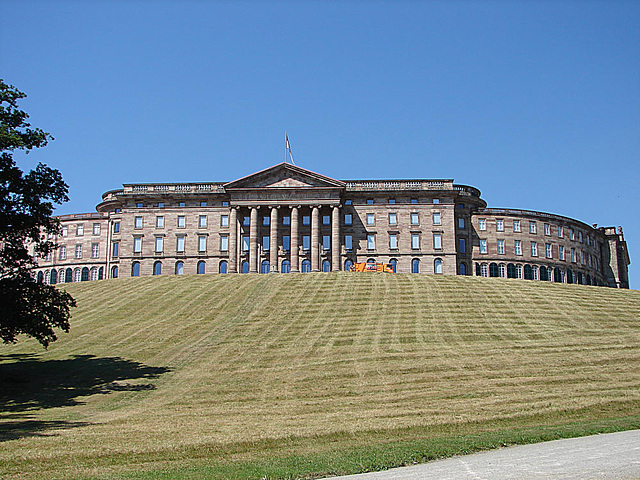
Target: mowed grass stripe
[[284, 359]]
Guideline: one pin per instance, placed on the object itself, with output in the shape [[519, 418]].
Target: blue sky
[[536, 103]]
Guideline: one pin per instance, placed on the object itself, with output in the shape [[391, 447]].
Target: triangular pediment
[[285, 175]]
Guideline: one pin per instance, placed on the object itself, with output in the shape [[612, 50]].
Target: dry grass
[[178, 371]]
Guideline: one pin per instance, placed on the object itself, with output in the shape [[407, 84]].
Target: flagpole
[[285, 146]]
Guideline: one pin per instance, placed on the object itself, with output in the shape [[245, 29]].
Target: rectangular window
[[181, 221], [246, 221], [560, 231], [573, 255], [224, 243], [532, 227], [483, 246], [78, 251], [517, 247], [482, 224], [225, 203], [224, 220], [436, 218], [461, 223], [79, 230], [348, 242], [548, 251], [245, 243], [137, 244], [348, 202], [348, 219], [415, 241], [65, 231], [561, 252], [203, 204], [182, 204], [180, 244], [116, 227], [95, 250], [160, 204], [392, 201], [582, 257], [572, 234], [137, 222], [534, 249], [202, 221], [462, 245], [286, 221], [326, 242], [266, 221], [159, 244], [326, 219], [500, 247], [371, 219], [415, 220], [63, 253], [393, 219], [393, 241], [286, 242], [580, 238], [115, 250], [499, 225], [159, 222], [516, 226], [369, 201], [202, 243], [436, 200], [96, 229], [306, 220], [139, 205], [414, 200], [265, 243], [306, 242], [547, 229], [371, 242], [437, 241]]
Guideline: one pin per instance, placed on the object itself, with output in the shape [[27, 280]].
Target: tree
[[26, 222]]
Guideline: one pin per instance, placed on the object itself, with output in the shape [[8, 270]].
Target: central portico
[[282, 204]]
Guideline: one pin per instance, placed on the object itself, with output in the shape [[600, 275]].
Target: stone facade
[[288, 219]]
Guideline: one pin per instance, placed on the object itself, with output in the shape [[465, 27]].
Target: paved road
[[607, 456]]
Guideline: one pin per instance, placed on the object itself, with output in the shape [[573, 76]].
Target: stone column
[[233, 240], [273, 241], [294, 245], [253, 241], [315, 239], [335, 239]]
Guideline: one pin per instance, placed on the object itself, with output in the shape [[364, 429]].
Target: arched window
[[135, 269], [114, 272], [222, 268], [415, 265], [84, 277], [47, 277], [484, 270], [326, 266], [306, 266], [478, 270], [54, 277], [77, 274], [371, 260], [558, 275], [40, 277], [394, 265], [519, 271], [544, 274], [179, 268], [286, 266], [437, 265], [579, 278], [61, 275], [245, 267], [502, 269], [93, 274], [493, 270], [100, 273], [534, 270], [588, 279], [511, 271], [68, 275], [157, 268], [264, 267], [348, 263], [569, 276], [463, 269], [201, 267]]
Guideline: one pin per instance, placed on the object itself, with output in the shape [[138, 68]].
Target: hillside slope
[[164, 371]]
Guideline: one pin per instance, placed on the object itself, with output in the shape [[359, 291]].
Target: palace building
[[288, 219]]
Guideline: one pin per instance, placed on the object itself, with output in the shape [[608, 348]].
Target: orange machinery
[[371, 267]]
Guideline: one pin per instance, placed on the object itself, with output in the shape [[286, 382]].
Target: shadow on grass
[[28, 384]]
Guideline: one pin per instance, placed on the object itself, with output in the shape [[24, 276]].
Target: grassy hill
[[251, 376]]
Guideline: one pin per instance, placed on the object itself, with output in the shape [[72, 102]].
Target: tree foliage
[[26, 209]]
